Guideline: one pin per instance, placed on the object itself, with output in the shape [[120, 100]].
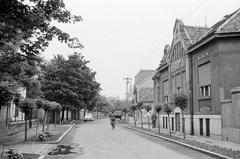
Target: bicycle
[[113, 124]]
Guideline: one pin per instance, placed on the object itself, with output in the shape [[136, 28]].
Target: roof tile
[[196, 32]]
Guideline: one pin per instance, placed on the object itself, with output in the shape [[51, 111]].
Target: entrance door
[[177, 117], [201, 126], [207, 127]]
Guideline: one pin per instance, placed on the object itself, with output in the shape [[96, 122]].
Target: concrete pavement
[[16, 141], [178, 138], [32, 146]]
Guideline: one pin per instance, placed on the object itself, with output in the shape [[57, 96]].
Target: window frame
[[202, 91]]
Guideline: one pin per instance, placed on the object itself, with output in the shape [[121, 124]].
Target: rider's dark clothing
[[112, 117]]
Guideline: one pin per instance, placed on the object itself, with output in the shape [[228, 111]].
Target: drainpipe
[[191, 97]]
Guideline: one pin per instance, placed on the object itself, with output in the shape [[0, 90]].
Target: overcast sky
[[121, 37]]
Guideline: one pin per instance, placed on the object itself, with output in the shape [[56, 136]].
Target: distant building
[[113, 98], [143, 87]]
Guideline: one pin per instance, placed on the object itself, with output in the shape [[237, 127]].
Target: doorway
[[207, 127], [177, 117], [201, 126]]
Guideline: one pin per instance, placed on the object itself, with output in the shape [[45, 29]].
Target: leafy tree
[[55, 107], [26, 106], [15, 68], [139, 107], [27, 24], [168, 109], [83, 79], [148, 108], [33, 87], [46, 107], [53, 77], [69, 82], [181, 99], [125, 110], [6, 93], [101, 103], [158, 109], [133, 108], [39, 104]]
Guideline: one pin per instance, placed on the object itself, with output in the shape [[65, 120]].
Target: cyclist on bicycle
[[112, 120]]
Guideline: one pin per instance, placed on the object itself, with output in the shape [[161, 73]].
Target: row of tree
[[26, 30], [178, 99]]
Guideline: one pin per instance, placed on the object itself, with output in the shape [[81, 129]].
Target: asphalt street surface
[[97, 140]]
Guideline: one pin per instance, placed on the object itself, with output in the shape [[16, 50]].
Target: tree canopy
[[27, 24], [69, 81], [25, 31], [180, 99]]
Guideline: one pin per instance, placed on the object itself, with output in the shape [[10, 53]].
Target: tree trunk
[[48, 116], [134, 117], [169, 125], [63, 110], [67, 113], [55, 118], [158, 123], [7, 115], [78, 114], [84, 113], [37, 122], [148, 123], [25, 127], [15, 113], [30, 120], [72, 115], [141, 119], [183, 125], [44, 118]]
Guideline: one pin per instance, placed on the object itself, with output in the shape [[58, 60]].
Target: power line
[[155, 59], [213, 9], [146, 59]]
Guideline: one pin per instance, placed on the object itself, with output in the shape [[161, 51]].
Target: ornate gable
[[183, 37], [179, 43]]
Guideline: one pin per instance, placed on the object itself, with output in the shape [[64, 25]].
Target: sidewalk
[[32, 146], [218, 148]]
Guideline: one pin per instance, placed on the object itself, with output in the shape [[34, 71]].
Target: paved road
[[96, 140]]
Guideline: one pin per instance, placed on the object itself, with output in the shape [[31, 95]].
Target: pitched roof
[[228, 24], [195, 32], [142, 74], [166, 52]]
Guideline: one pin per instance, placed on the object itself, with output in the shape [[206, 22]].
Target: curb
[[59, 139], [41, 157], [183, 144]]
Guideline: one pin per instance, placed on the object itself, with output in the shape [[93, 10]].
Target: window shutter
[[184, 80], [204, 74], [165, 88], [158, 93], [173, 84], [178, 80]]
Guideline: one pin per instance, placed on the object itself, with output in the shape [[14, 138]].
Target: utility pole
[[127, 82]]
